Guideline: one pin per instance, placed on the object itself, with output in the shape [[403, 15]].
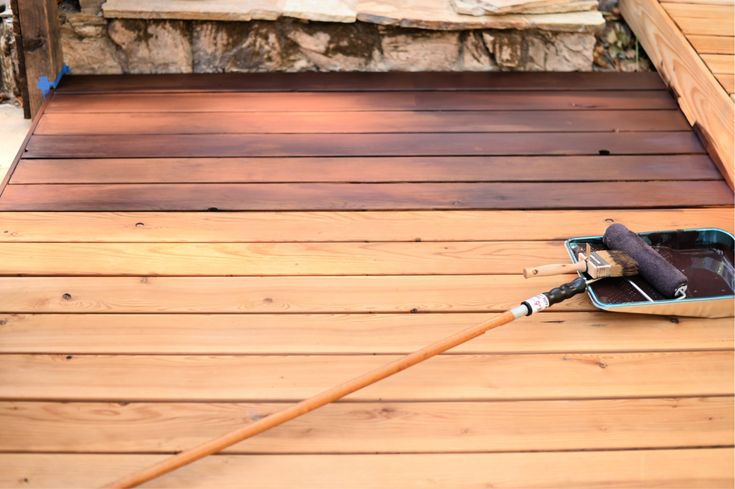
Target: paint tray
[[704, 255]]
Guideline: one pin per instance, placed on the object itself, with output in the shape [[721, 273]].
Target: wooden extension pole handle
[[556, 269], [307, 405]]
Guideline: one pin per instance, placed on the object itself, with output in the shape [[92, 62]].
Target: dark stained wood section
[[329, 141], [369, 214]]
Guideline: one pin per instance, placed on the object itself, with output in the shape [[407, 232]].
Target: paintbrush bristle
[[621, 264]]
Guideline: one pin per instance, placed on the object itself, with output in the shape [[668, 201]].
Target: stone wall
[[93, 44]]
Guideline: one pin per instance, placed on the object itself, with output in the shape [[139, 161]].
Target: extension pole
[[537, 303]]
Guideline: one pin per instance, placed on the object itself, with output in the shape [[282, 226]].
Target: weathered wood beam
[[40, 46]]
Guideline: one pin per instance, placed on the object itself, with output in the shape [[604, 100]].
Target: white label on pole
[[538, 303]]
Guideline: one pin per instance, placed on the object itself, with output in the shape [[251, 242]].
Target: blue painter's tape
[[47, 85]]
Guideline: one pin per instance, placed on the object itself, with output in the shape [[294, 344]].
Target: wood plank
[[380, 427], [708, 468], [720, 63], [366, 169], [461, 293], [284, 259], [701, 97], [346, 81], [356, 101], [363, 122], [367, 196], [712, 44], [344, 225], [292, 378], [705, 23], [350, 333], [700, 11], [727, 82], [409, 144]]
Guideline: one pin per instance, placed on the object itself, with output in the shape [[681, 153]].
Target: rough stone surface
[[236, 47], [475, 54], [93, 44], [86, 46], [9, 85], [485, 7], [617, 49], [420, 50], [153, 46]]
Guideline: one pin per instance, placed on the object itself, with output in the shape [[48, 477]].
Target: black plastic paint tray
[[704, 255]]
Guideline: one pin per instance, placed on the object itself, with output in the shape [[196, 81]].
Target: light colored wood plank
[[446, 293], [712, 44], [379, 427], [699, 10], [351, 333], [720, 63], [637, 469], [342, 225], [727, 82], [704, 26], [701, 97], [291, 378], [278, 259]]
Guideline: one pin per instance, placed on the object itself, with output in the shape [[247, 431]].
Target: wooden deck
[[360, 217], [692, 44]]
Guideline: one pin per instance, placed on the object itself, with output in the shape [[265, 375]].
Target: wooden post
[[40, 46]]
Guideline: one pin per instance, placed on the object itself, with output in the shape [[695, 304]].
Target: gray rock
[[560, 52], [153, 46], [475, 54], [413, 50], [9, 75], [236, 47], [570, 52], [508, 49], [86, 47], [335, 47]]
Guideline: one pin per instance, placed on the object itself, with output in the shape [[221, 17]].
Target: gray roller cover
[[662, 275]]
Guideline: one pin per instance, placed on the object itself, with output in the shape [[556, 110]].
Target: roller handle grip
[[556, 269], [566, 291]]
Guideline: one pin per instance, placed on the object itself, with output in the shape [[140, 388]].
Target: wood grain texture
[[399, 196], [701, 97], [292, 378], [277, 259], [637, 469], [409, 144], [380, 427], [362, 169], [41, 45], [447, 293], [359, 82], [718, 20], [351, 333], [712, 44], [720, 63], [339, 226], [356, 101], [362, 122]]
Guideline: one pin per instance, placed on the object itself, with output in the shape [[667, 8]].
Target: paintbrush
[[598, 264]]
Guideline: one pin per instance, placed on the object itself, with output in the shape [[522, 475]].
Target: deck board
[[367, 214]]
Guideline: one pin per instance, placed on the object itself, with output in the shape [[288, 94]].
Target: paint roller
[[668, 280]]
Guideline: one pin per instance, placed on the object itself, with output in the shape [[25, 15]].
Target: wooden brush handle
[[556, 269]]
